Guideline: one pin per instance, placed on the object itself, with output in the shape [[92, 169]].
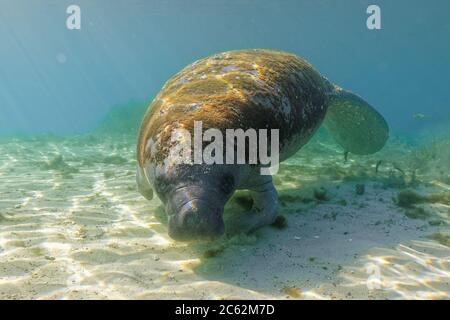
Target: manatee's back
[[259, 89]]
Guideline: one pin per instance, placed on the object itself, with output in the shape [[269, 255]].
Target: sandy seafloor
[[76, 228]]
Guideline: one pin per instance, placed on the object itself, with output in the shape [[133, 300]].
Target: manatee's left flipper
[[143, 185], [264, 209]]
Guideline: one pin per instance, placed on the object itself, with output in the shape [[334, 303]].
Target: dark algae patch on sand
[[443, 239], [279, 223], [57, 163], [417, 213], [321, 194], [409, 198], [360, 189]]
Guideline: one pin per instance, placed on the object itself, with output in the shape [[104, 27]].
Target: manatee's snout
[[196, 219]]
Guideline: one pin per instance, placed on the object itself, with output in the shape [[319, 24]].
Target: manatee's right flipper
[[264, 209], [354, 124], [143, 185]]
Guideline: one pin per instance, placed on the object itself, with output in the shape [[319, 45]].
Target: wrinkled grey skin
[[194, 197]]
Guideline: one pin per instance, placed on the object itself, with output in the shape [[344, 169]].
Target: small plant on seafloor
[[394, 180], [408, 198], [443, 239], [422, 156], [58, 163], [417, 213], [399, 177], [321, 194], [432, 158], [360, 188], [377, 166], [279, 223]]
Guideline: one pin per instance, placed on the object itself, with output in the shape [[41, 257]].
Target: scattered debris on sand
[[57, 163], [360, 189]]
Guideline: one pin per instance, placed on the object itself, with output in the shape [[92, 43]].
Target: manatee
[[242, 89], [354, 124]]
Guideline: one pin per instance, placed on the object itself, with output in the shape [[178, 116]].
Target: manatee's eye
[[227, 183], [162, 186]]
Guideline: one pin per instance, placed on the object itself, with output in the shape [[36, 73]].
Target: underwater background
[[72, 224]]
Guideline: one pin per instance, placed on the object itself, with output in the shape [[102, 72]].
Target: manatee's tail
[[354, 124]]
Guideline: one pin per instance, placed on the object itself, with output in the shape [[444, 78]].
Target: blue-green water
[[72, 224], [126, 50]]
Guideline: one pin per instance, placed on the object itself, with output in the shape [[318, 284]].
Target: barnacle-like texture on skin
[[259, 89]]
